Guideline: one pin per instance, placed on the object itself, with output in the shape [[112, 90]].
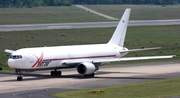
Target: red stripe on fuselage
[[81, 57]]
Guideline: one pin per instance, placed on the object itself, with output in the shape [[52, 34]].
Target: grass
[[40, 15], [64, 14], [140, 12], [153, 89], [166, 37]]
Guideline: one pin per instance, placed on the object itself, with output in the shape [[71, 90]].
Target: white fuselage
[[52, 57]]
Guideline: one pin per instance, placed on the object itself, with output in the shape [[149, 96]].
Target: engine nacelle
[[86, 68]]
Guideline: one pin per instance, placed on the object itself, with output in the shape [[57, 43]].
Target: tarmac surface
[[25, 27], [41, 84]]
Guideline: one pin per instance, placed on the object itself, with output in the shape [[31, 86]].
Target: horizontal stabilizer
[[9, 51], [134, 50]]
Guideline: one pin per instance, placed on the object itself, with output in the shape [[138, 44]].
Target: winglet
[[120, 32], [9, 51]]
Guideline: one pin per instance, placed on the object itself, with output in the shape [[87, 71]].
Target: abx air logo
[[40, 62]]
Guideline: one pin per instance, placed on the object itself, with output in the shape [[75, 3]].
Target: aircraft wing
[[133, 50], [9, 51], [131, 59], [77, 61]]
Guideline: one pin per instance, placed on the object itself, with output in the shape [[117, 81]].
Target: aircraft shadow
[[35, 76], [106, 72], [130, 78]]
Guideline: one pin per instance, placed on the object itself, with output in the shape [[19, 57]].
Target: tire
[[19, 78]]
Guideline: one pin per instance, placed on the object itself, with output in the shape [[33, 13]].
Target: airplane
[[85, 58]]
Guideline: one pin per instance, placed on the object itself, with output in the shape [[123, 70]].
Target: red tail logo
[[39, 61]]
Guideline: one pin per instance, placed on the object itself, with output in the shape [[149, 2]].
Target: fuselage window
[[15, 57]]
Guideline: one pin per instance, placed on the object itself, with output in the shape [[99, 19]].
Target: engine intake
[[86, 68]]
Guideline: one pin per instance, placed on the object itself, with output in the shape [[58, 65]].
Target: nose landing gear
[[19, 77]]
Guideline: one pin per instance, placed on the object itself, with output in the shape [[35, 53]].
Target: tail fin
[[120, 32]]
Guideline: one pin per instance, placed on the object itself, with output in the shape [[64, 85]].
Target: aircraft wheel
[[59, 73], [92, 75], [55, 73], [52, 73], [88, 76], [19, 78]]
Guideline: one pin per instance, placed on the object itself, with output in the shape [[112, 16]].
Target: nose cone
[[11, 63]]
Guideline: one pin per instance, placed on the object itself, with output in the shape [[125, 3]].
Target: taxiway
[[41, 84], [85, 25]]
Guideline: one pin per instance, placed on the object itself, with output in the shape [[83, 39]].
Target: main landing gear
[[19, 77], [90, 75], [56, 73]]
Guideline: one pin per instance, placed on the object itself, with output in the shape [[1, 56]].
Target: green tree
[[67, 2], [6, 3], [18, 3]]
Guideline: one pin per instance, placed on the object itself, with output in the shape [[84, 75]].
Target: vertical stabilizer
[[120, 32]]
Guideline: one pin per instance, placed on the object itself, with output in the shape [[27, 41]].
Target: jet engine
[[86, 68]]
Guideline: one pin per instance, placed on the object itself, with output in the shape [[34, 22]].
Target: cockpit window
[[15, 57]]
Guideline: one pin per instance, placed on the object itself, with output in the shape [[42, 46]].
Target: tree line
[[35, 3], [157, 2]]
